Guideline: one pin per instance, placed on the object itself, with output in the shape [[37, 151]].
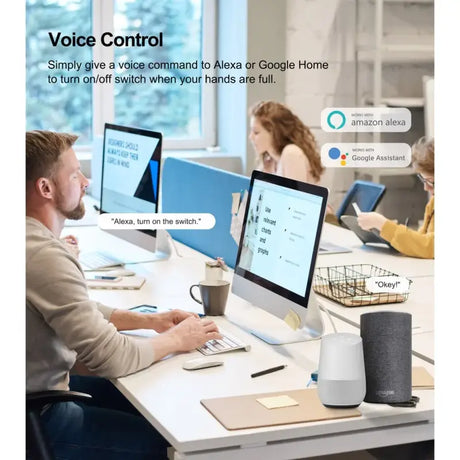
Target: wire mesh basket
[[346, 284]]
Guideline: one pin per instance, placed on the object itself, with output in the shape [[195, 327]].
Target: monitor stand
[[275, 331], [163, 246], [144, 252]]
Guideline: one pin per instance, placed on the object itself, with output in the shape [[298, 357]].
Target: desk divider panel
[[189, 187]]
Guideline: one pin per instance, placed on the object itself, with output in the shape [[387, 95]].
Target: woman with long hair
[[283, 144]]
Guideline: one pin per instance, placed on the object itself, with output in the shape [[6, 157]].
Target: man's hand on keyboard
[[193, 332], [168, 319]]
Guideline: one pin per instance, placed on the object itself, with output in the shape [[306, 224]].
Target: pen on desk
[[97, 208], [105, 277], [268, 371]]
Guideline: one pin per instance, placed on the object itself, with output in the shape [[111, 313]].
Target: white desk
[[423, 346], [420, 303], [169, 397], [383, 257], [188, 269]]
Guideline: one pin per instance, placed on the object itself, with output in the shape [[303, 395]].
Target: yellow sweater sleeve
[[411, 242]]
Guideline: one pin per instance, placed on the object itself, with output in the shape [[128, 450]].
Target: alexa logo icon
[[336, 119]]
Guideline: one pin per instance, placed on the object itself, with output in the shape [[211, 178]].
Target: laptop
[[326, 247], [367, 237]]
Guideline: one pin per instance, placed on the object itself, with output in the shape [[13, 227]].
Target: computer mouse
[[200, 363], [120, 272]]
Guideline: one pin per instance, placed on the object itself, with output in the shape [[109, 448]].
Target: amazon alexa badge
[[366, 119]]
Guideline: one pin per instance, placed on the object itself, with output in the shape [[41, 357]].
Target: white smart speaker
[[341, 374]]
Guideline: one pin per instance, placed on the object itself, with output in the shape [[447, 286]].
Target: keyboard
[[227, 343], [98, 260]]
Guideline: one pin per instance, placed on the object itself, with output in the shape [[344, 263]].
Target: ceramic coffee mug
[[214, 295]]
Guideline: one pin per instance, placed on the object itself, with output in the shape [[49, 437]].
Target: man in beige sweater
[[64, 325]]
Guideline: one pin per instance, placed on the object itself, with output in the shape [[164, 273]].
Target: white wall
[[322, 31], [316, 30], [331, 30]]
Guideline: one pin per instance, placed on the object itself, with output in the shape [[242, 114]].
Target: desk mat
[[239, 412]]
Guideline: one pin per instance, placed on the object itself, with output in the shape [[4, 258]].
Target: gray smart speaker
[[387, 347]]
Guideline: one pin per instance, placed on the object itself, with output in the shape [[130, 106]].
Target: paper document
[[356, 208], [238, 217]]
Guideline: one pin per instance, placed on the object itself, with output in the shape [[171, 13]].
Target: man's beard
[[74, 214]]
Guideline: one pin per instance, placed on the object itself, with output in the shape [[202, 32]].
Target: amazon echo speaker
[[387, 346], [341, 377]]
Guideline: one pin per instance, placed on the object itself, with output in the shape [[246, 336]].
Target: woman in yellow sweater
[[410, 242]]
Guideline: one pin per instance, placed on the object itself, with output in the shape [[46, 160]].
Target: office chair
[[366, 195], [37, 445]]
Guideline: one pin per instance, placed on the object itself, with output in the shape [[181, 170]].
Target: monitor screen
[[130, 170], [280, 235]]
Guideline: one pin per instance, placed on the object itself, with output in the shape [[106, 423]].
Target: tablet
[[373, 236]]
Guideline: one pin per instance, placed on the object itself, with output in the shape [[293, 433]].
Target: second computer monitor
[[277, 252], [131, 177]]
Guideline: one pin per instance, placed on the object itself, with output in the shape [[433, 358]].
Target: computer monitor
[[277, 254], [131, 178]]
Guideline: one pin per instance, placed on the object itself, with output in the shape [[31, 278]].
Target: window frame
[[103, 106]]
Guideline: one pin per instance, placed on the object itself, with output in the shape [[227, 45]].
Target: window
[[185, 114], [60, 106]]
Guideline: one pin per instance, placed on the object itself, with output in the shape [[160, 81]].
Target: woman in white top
[[283, 144]]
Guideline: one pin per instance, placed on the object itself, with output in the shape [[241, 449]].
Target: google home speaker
[[387, 346], [341, 376]]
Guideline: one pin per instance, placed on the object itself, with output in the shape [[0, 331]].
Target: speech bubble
[[393, 284], [150, 221], [366, 119], [366, 155]]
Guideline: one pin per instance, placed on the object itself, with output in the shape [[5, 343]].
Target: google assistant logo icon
[[335, 154]]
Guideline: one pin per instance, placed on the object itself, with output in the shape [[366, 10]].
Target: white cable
[[329, 316], [173, 244]]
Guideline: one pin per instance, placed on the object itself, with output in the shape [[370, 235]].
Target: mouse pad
[[239, 412]]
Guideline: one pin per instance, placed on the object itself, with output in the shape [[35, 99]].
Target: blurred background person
[[285, 146]]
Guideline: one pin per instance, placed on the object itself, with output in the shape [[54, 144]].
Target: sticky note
[[275, 402], [292, 320]]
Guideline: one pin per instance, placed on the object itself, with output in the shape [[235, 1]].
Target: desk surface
[[189, 269], [420, 303], [383, 257], [169, 397]]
